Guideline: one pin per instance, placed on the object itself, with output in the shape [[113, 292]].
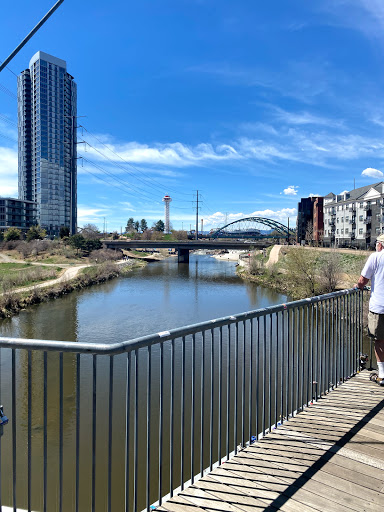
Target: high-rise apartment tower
[[47, 99]]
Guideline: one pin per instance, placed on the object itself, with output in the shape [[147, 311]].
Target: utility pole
[[197, 215], [202, 224], [28, 37]]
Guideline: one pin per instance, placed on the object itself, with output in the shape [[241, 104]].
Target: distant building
[[47, 99], [304, 218], [354, 218], [318, 220], [16, 213]]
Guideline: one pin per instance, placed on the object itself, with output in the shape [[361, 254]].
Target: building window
[[346, 231], [337, 231], [360, 231], [361, 217]]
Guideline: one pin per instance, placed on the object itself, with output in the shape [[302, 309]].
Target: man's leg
[[379, 351]]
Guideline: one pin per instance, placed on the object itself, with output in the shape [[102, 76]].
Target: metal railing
[[124, 426]]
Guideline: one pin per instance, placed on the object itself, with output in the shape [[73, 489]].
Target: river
[[159, 297]]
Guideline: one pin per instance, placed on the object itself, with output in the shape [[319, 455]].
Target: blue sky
[[255, 104]]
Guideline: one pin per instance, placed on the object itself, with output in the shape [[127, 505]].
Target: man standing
[[374, 270]]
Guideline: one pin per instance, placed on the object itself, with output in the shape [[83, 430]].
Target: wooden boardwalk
[[328, 458]]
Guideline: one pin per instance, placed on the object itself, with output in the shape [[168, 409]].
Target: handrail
[[146, 341], [154, 414]]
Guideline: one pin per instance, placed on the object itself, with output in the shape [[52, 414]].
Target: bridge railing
[[124, 426]]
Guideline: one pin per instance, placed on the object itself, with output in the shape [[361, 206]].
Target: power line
[[148, 177], [9, 138], [9, 69], [132, 188], [7, 120], [5, 90], [138, 189]]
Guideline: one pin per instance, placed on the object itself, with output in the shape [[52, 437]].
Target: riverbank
[[77, 278], [303, 272]]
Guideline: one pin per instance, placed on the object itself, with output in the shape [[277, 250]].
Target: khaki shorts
[[376, 325]]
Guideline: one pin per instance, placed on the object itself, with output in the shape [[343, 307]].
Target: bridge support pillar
[[183, 255]]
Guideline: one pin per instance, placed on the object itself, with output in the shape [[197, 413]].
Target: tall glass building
[[47, 99]]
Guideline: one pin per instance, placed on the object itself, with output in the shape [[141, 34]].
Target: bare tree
[[330, 271], [309, 232], [90, 231]]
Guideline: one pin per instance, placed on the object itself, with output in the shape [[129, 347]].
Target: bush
[[12, 234], [35, 233], [102, 255]]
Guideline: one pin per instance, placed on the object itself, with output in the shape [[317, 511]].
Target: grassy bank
[[302, 272], [12, 302], [18, 275]]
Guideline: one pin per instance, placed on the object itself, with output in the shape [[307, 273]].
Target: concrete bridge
[[183, 247]]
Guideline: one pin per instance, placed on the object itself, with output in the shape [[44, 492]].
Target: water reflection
[[159, 297]]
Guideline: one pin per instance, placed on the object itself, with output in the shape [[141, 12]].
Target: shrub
[[12, 234], [101, 255], [35, 233]]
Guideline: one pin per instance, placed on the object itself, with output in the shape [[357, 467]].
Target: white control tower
[[166, 200]]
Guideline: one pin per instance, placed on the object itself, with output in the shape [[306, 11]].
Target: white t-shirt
[[374, 270]]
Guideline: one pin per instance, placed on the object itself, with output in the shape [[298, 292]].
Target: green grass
[[58, 260], [140, 253], [5, 268]]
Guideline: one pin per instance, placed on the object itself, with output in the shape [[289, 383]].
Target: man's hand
[[361, 282]]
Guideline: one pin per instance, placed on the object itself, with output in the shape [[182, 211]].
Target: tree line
[[136, 226]]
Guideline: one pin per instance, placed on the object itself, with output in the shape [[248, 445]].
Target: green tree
[[159, 226], [143, 225], [12, 234], [35, 233], [130, 225], [90, 245], [77, 242], [64, 231], [1, 236], [137, 226]]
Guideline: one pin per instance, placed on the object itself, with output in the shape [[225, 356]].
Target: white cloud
[[372, 173], [172, 154], [8, 172], [291, 190], [299, 144], [302, 118], [314, 195], [87, 214]]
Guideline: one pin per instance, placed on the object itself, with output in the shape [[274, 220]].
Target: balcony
[[367, 207], [368, 220], [351, 208]]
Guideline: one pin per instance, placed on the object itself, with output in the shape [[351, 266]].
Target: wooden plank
[[328, 458]]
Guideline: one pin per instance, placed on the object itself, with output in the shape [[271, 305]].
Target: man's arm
[[361, 282]]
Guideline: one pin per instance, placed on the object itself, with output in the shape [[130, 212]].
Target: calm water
[[159, 297]]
